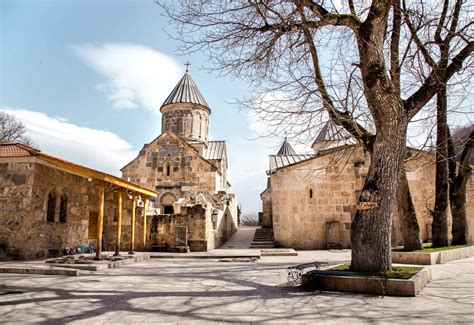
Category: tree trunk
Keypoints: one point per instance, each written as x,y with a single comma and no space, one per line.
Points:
406,212
457,189
440,213
371,229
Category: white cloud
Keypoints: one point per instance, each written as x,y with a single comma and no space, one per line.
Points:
98,149
135,75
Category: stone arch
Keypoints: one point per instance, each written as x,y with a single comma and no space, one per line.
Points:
167,201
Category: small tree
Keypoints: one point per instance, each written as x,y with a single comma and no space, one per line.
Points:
12,130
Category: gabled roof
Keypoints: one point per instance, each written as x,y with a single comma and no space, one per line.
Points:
279,161
332,135
185,91
10,149
286,149
171,133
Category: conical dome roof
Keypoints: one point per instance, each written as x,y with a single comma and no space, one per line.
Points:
286,149
332,135
185,91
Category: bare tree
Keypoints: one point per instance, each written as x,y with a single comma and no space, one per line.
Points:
435,40
12,130
279,43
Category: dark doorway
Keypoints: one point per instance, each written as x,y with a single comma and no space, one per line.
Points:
168,209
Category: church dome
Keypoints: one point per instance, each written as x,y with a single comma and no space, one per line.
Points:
185,91
185,112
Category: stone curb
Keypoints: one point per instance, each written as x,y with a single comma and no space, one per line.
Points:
329,281
30,270
191,256
426,258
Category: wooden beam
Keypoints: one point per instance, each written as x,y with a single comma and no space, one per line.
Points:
119,222
134,208
145,202
100,221
94,174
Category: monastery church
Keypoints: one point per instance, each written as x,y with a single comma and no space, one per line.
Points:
174,196
311,199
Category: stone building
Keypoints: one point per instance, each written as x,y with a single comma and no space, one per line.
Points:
310,200
189,172
48,204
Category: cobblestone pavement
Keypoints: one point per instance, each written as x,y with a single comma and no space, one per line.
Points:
182,291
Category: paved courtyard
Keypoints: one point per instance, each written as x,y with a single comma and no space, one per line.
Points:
211,291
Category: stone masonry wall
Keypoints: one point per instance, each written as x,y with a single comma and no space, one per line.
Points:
189,121
23,203
335,179
188,172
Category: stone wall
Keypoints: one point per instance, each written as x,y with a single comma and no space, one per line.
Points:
314,202
24,231
188,173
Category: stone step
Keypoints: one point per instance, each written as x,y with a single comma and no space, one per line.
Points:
263,246
263,242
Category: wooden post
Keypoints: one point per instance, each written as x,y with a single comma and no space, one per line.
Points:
100,221
134,208
145,203
119,222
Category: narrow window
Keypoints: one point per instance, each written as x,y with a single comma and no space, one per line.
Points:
51,207
63,209
168,170
311,193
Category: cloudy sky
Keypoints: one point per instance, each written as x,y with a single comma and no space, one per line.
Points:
87,79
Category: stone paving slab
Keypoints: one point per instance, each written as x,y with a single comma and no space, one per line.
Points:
206,291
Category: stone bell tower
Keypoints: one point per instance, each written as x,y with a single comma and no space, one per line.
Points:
186,113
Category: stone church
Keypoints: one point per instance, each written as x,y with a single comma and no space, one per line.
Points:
311,199
194,206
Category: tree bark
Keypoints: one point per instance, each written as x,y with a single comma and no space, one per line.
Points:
440,213
457,189
371,230
407,215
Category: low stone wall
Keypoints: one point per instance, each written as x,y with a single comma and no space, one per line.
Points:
426,258
337,281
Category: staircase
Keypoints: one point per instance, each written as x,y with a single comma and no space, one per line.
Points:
263,238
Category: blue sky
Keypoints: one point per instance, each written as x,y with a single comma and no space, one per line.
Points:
87,79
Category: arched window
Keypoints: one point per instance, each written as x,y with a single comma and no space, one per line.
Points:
310,193
63,209
51,207
168,169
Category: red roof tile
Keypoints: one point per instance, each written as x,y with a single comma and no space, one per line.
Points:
10,149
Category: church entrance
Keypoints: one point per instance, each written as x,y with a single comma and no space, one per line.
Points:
167,201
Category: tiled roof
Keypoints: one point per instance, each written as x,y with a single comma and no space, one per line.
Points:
278,161
286,149
332,136
11,149
185,91
216,150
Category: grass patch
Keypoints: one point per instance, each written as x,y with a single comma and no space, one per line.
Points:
397,272
427,248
